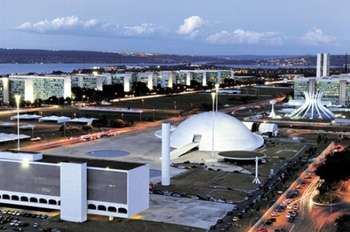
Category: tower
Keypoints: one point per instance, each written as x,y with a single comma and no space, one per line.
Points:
256,179
273,113
323,61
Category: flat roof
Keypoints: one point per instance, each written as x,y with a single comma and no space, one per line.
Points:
119,165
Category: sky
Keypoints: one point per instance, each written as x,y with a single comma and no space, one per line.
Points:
193,27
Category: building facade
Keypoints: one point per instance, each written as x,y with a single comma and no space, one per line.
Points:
33,87
335,89
323,62
76,187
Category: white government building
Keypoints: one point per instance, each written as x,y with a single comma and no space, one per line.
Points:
32,87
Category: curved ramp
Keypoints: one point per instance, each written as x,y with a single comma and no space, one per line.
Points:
183,150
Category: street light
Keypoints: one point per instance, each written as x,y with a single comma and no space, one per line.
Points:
213,94
217,85
18,100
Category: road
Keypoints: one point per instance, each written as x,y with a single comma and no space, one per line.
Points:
44,145
306,220
40,146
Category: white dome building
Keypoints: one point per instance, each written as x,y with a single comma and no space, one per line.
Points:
230,134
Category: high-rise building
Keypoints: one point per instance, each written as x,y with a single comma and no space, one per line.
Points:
322,69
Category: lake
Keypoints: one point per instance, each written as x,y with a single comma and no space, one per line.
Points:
43,68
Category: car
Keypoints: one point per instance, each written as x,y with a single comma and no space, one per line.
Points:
274,214
291,219
269,221
280,230
292,194
262,229
280,208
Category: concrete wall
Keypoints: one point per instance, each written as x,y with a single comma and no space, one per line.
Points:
138,190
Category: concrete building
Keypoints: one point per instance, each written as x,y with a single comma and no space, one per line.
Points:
32,87
322,69
335,89
90,81
215,132
76,187
204,76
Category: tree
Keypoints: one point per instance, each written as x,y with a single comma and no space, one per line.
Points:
140,89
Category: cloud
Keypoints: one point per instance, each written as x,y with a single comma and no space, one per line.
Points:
191,25
317,37
75,26
240,36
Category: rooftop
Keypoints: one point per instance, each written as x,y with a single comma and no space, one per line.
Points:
111,164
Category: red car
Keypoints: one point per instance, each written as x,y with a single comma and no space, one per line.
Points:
262,229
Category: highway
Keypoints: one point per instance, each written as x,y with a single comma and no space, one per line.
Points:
310,218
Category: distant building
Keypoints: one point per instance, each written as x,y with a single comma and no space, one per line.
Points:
32,87
76,187
323,61
335,89
89,81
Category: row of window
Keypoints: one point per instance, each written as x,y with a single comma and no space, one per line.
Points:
30,199
109,209
54,202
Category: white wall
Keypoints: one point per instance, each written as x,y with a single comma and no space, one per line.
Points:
73,192
138,190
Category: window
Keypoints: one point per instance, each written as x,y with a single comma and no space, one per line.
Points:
92,206
52,202
33,199
6,197
15,198
112,209
122,210
101,207
24,198
43,201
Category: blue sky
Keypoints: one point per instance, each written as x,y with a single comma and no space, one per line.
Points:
207,27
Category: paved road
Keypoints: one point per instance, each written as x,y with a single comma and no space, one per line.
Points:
306,221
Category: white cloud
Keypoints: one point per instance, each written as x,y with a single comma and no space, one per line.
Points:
317,37
142,29
76,26
191,25
240,36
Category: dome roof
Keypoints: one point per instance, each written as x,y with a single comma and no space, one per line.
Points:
230,134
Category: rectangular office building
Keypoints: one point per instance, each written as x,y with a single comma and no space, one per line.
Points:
32,87
76,187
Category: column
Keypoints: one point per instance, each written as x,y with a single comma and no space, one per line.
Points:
73,191
204,79
165,154
127,79
150,81
171,78
188,78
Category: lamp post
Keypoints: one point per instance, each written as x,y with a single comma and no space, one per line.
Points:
213,123
18,100
217,85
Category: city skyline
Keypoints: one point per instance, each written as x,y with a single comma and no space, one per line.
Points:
229,28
